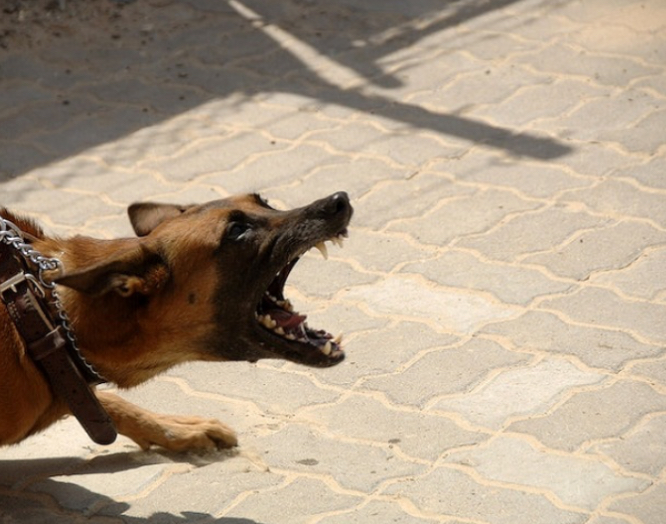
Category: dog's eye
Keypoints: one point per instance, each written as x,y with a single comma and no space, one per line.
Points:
237,230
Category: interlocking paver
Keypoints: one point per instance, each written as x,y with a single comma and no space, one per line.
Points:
595,118
269,388
212,155
466,216
450,492
86,493
420,435
455,370
522,392
509,283
641,279
532,232
629,450
390,199
649,506
376,251
640,317
353,465
289,504
611,71
643,138
385,349
379,512
493,170
608,348
649,173
589,415
653,370
612,195
502,294
544,101
449,310
607,520
577,482
228,479
602,249
593,160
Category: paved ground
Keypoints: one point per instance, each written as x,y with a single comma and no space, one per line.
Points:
503,292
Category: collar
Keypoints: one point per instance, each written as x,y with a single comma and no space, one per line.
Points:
41,322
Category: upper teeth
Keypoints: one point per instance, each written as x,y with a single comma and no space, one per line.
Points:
321,246
338,241
285,304
322,249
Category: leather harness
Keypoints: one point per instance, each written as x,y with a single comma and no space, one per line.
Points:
49,343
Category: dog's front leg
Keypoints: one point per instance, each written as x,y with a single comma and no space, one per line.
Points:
175,433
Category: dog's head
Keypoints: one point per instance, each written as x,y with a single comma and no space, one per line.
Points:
214,274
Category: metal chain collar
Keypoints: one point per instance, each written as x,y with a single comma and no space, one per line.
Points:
11,234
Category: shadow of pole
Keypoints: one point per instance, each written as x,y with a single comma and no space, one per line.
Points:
476,132
108,102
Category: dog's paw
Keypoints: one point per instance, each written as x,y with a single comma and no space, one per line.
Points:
178,433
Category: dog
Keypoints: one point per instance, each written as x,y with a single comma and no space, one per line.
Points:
198,283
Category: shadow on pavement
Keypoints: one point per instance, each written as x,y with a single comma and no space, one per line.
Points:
99,70
29,494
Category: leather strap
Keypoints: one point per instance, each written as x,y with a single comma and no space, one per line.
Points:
48,346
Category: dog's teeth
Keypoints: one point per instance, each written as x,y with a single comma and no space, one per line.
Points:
338,241
290,336
279,330
322,249
326,350
338,339
268,322
285,304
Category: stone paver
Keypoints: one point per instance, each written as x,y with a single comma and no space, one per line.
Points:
502,293
574,481
518,393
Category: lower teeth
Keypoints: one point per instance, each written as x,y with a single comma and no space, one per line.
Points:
299,333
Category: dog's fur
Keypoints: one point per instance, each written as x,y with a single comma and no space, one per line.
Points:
187,288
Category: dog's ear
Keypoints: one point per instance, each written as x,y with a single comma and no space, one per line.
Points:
136,270
146,216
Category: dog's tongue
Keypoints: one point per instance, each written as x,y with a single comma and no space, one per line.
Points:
285,319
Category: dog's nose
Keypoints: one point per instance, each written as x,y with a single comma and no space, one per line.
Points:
337,203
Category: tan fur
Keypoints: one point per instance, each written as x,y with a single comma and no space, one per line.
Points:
127,348
141,305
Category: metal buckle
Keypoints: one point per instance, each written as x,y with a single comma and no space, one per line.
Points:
10,284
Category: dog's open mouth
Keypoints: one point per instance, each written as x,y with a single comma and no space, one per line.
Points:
276,315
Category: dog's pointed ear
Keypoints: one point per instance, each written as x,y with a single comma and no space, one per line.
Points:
135,270
146,216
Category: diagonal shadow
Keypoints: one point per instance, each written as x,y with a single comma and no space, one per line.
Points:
29,495
87,87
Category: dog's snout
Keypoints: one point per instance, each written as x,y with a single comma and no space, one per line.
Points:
337,203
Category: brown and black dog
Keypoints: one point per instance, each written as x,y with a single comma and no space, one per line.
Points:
200,282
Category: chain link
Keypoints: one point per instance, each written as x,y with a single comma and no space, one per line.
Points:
11,234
